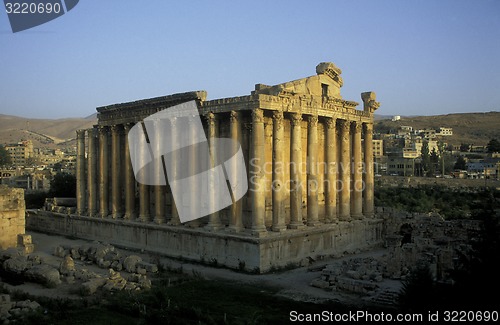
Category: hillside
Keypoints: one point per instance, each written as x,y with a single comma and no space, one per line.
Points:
45,133
471,128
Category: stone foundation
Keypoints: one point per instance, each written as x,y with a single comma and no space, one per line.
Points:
232,250
12,220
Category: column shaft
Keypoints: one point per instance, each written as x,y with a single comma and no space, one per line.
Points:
345,170
357,173
369,181
80,172
174,220
278,186
332,167
116,194
257,180
236,213
214,218
194,183
159,190
144,201
129,179
296,172
103,172
312,172
92,172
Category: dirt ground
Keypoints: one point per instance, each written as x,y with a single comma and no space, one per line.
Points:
293,284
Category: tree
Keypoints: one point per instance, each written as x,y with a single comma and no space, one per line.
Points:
460,164
464,147
63,185
425,157
4,156
493,145
434,162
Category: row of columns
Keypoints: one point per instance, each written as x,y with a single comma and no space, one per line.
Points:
355,201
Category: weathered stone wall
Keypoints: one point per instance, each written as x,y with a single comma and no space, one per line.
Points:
237,251
12,216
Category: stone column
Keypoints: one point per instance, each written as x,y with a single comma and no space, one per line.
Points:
331,170
174,220
193,164
296,172
116,194
80,172
129,179
278,186
214,218
345,170
369,181
103,172
92,172
144,202
312,171
159,190
257,177
357,173
236,213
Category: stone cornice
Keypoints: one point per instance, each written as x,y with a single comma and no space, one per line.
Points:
306,104
137,110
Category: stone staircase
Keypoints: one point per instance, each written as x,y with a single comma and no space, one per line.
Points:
386,298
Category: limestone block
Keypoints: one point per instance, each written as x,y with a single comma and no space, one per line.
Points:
319,283
28,249
24,239
145,283
59,251
75,252
130,263
67,265
44,274
17,265
149,267
90,287
65,201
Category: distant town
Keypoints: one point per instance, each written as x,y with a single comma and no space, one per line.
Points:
407,151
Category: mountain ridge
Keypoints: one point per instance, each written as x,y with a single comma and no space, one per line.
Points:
474,128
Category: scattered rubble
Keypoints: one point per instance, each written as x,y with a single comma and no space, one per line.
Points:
10,311
411,239
32,268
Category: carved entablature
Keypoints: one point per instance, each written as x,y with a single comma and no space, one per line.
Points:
369,103
331,70
135,111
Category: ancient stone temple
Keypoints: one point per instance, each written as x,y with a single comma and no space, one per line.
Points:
309,161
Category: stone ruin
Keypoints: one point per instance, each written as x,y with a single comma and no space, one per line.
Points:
412,239
13,310
34,268
12,216
66,205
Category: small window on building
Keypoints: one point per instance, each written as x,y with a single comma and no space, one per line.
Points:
324,90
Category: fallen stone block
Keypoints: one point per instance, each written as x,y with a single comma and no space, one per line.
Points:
130,263
44,274
67,265
149,267
319,283
18,265
90,287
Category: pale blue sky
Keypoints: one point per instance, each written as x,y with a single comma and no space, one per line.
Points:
420,57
